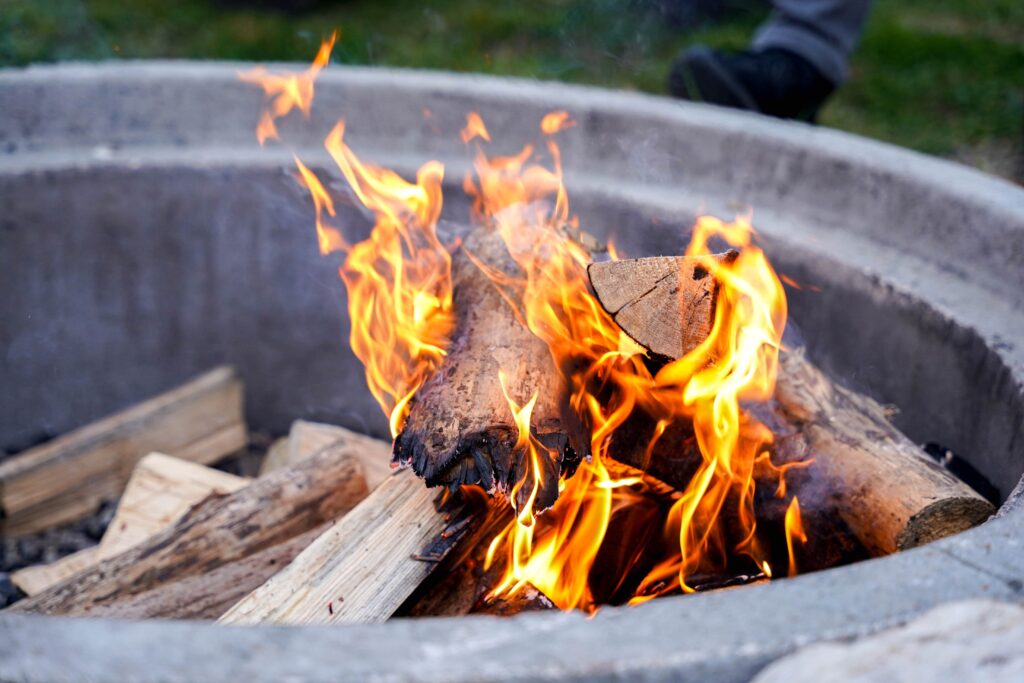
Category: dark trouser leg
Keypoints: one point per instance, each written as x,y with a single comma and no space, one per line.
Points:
824,32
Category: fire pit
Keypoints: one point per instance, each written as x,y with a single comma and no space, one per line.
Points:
146,238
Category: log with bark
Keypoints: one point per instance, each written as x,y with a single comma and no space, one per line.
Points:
460,429
220,530
889,493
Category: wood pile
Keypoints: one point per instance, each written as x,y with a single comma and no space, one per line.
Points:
330,532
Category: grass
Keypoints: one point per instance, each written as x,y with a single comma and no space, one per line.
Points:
944,77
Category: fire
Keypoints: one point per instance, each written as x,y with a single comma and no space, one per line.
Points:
794,532
287,91
399,278
399,286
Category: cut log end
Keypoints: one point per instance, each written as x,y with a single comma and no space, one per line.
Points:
664,303
888,492
491,460
944,518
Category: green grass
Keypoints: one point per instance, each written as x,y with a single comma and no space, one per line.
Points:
942,76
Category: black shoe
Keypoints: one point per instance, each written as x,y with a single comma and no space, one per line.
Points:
774,81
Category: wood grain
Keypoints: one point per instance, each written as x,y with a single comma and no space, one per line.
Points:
68,477
358,571
889,493
460,429
161,489
218,531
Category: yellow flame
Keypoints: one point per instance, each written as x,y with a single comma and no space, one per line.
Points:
794,531
398,280
287,91
399,286
736,363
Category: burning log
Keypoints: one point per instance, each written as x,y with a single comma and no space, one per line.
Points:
886,490
67,478
218,531
460,429
527,599
365,566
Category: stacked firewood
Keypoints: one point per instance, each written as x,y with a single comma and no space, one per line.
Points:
330,533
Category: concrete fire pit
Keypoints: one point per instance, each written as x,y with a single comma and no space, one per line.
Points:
144,237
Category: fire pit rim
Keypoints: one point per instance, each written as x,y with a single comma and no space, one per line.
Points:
981,562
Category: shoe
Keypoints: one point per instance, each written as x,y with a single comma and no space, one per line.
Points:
774,81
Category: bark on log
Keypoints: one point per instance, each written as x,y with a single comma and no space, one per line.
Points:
460,429
219,530
889,493
208,596
887,490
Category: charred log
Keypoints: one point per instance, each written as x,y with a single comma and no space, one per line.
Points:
887,491
460,429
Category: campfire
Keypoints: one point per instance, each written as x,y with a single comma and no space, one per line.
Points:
570,428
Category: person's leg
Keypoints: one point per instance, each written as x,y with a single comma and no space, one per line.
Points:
824,32
797,58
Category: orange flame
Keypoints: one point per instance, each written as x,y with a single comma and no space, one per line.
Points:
794,530
398,280
399,286
736,363
287,91
555,122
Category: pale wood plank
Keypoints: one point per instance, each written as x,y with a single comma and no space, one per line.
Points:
161,489
307,438
68,477
361,569
219,530
278,456
36,579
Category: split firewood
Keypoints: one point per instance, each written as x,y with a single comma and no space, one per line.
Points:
306,438
460,429
218,531
37,578
670,299
208,596
462,580
277,456
889,493
364,567
67,478
160,490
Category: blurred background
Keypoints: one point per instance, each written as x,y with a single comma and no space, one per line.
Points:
944,77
